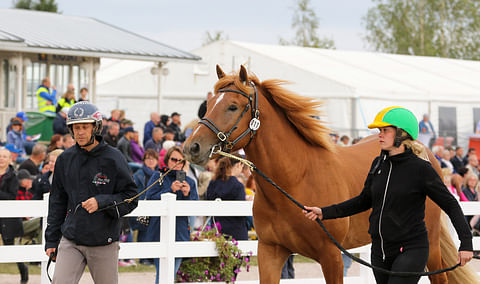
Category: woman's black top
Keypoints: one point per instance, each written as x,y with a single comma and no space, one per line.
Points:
396,189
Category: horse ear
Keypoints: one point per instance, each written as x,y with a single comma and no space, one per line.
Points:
243,75
220,73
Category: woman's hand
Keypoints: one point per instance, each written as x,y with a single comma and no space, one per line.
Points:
464,257
185,188
313,213
176,185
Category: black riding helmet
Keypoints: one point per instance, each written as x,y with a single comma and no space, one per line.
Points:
85,112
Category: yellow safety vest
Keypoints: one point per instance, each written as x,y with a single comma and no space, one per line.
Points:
64,103
42,103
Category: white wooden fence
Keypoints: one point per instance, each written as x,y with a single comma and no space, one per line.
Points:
167,249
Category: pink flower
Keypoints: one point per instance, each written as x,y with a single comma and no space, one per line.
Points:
206,272
219,227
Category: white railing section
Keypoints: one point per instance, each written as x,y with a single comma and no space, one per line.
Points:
167,249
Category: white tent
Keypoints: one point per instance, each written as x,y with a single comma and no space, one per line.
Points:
354,85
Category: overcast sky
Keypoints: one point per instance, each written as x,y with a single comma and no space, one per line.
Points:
183,23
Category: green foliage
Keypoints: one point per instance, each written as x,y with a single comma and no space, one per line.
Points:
41,5
214,269
305,23
23,4
444,28
211,37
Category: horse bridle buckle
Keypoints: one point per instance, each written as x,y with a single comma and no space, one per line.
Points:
222,136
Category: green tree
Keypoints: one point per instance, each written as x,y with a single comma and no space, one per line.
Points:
41,5
23,4
306,23
444,28
215,36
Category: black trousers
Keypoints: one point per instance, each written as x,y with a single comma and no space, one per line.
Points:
410,260
21,266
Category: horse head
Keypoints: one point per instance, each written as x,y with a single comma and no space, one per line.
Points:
231,120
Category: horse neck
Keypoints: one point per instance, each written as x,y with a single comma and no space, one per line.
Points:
277,148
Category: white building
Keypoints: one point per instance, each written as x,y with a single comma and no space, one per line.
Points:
34,45
354,85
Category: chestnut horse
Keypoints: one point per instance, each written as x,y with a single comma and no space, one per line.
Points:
295,150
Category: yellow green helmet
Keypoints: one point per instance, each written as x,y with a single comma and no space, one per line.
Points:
399,117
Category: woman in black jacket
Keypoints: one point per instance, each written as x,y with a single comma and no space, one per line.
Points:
225,185
10,228
396,188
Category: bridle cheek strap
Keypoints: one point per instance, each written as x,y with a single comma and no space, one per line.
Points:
253,126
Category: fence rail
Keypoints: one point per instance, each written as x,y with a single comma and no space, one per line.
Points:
167,249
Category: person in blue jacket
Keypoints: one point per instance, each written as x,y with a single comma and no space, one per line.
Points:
46,96
185,190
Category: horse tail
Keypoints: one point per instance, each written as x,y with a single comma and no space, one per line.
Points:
462,274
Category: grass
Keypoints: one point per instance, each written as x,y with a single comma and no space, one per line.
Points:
11,268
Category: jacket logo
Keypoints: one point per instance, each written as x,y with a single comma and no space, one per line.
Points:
100,178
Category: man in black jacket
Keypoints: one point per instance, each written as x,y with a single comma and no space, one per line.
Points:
89,177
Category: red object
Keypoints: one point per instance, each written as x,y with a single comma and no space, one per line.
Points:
474,142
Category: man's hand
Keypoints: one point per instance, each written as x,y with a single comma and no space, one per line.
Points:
50,251
91,205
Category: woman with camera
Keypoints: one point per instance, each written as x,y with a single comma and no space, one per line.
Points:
175,182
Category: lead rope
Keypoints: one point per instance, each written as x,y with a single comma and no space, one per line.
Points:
159,181
337,244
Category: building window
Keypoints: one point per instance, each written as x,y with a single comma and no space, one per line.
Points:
60,76
35,74
447,122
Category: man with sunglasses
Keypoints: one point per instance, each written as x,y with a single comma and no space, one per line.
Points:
91,180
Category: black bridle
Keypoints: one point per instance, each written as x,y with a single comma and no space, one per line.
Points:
253,126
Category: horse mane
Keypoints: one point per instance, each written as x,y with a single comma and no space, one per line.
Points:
299,110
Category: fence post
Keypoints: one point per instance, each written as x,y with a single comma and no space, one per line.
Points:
167,236
366,273
43,272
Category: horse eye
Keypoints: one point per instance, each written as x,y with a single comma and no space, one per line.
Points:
232,108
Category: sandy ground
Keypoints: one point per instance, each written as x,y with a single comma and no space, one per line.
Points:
302,270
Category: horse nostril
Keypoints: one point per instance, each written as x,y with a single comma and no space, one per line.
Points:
194,148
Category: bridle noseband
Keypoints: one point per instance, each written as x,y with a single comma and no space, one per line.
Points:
253,126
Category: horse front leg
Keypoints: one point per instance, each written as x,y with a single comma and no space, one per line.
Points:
271,258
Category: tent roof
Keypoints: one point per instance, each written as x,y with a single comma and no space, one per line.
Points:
42,32
375,75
